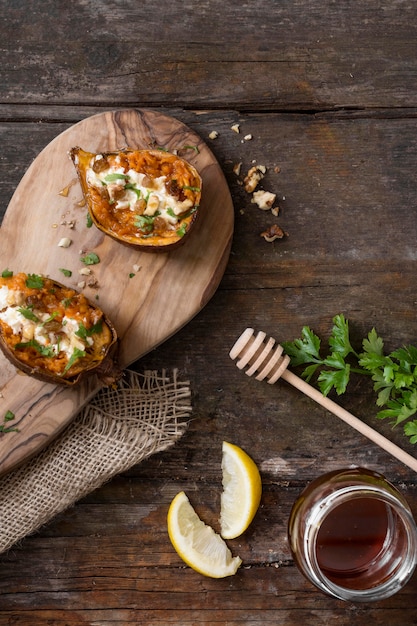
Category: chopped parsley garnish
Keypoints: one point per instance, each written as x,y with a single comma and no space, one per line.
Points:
111,178
47,351
182,230
190,212
66,302
77,354
8,417
89,220
34,281
134,189
66,273
28,314
50,318
195,148
90,259
84,332
6,273
191,188
144,223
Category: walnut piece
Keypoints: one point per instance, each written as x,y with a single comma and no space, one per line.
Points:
253,177
264,199
274,232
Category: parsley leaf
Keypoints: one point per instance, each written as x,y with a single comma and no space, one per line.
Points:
47,351
144,223
181,231
115,176
84,332
77,354
34,281
90,259
8,417
28,314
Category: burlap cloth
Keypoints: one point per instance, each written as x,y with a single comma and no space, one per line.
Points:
120,427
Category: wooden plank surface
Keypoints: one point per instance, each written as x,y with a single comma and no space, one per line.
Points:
328,93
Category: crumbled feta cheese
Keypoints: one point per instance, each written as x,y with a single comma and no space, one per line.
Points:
10,297
214,134
236,128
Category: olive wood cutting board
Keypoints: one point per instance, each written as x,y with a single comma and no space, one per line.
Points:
148,296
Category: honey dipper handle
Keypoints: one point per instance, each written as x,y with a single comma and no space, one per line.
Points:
350,419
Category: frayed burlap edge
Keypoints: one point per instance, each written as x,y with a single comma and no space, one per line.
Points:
116,430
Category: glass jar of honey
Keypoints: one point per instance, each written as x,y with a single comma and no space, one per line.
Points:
352,534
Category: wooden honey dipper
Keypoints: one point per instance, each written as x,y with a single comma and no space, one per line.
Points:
266,360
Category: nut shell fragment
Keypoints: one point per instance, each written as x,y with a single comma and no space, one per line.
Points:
273,232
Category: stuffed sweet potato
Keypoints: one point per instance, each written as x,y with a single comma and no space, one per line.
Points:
148,199
52,332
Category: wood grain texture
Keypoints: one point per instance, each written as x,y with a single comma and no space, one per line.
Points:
163,294
266,55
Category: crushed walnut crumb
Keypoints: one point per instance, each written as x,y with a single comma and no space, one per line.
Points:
70,224
254,177
274,232
236,168
93,282
263,199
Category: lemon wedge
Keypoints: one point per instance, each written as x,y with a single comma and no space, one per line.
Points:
196,543
242,490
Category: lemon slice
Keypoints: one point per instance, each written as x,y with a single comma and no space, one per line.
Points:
242,490
196,543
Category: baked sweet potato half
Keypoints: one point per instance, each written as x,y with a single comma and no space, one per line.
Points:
148,199
52,332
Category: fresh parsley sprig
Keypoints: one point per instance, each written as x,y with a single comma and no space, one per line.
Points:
394,375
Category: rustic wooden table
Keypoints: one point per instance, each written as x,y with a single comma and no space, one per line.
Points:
328,94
